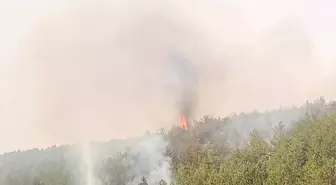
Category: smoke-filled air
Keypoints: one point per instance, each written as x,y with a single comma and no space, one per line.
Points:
152,92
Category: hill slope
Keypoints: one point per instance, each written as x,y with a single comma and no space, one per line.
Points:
294,145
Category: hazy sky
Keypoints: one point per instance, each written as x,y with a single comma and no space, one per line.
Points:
103,69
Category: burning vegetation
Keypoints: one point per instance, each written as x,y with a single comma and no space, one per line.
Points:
188,78
184,122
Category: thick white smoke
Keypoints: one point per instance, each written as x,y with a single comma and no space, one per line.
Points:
150,161
79,69
108,59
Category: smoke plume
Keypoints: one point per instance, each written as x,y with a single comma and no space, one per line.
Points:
86,70
187,75
149,161
103,68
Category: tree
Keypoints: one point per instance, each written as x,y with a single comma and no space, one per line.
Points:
143,181
162,182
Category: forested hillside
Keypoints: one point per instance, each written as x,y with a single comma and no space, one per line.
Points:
291,146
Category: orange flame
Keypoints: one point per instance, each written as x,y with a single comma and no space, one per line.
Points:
184,123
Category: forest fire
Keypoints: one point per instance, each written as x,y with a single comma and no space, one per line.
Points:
184,123
187,75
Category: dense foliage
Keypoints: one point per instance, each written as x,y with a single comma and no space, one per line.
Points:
210,152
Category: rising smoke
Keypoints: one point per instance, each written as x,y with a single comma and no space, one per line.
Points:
150,161
107,69
112,69
88,66
187,76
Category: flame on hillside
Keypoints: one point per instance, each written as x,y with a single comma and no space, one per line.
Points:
184,122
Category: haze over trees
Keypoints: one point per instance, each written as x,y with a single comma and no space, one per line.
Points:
293,146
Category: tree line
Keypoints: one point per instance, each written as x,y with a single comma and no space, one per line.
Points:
212,151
